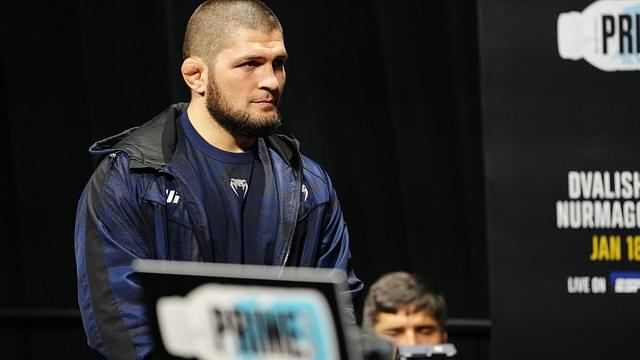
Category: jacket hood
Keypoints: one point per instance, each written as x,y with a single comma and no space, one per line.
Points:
152,144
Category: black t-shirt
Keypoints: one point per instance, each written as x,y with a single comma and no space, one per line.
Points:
233,186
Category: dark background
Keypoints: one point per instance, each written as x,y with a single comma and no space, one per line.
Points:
384,94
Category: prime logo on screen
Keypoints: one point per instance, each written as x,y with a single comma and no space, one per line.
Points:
217,321
606,34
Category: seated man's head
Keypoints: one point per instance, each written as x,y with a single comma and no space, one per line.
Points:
400,307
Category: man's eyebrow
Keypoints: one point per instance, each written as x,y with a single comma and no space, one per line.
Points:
250,57
394,328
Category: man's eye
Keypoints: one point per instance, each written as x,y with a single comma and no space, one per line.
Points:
426,330
250,64
392,333
278,63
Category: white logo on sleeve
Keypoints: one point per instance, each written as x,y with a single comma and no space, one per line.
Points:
305,192
239,186
172,196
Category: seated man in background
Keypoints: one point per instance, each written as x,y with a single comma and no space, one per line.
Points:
399,307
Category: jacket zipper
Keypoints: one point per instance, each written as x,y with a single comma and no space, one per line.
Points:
112,158
295,220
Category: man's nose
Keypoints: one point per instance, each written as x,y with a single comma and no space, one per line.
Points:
409,338
268,79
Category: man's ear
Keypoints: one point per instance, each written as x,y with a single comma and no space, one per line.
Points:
194,72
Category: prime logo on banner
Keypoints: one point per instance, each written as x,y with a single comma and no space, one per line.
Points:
559,104
606,34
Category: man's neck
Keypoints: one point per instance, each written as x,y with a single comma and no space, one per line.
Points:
215,134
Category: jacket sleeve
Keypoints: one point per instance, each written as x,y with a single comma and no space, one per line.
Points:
334,248
109,234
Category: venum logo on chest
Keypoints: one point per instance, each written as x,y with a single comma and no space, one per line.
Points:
239,186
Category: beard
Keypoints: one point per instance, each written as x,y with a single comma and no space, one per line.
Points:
239,122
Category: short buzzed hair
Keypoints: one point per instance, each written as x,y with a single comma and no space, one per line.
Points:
211,23
398,290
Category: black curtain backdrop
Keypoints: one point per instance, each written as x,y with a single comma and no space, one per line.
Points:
383,94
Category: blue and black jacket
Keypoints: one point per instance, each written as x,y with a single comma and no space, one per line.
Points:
129,210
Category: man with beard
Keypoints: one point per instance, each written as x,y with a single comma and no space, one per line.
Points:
204,181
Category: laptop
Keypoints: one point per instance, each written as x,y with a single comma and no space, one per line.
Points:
225,311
